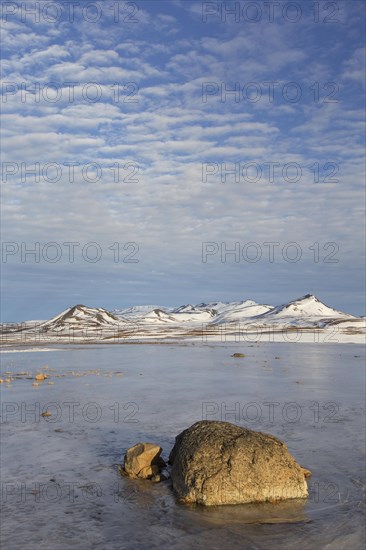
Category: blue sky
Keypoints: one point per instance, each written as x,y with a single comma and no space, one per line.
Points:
126,107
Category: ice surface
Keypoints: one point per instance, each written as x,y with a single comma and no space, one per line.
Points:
60,486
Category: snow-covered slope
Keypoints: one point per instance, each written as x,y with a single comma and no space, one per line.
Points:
214,319
135,311
81,317
157,315
307,309
240,311
307,306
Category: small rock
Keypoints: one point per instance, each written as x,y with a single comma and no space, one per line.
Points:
238,355
46,413
142,461
41,376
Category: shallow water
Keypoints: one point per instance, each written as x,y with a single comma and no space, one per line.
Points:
61,488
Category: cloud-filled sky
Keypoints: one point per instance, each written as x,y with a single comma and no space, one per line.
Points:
142,142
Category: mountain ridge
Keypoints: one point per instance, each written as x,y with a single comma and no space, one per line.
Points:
84,323
305,306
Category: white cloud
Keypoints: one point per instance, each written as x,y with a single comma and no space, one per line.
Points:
170,132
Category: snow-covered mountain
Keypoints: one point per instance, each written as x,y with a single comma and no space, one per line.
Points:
307,306
213,319
157,315
75,324
135,311
81,316
240,311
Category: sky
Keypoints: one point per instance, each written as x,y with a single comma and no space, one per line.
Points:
173,152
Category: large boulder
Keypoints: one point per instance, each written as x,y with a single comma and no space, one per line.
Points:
220,463
143,461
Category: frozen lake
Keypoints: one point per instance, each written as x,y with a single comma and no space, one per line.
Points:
61,488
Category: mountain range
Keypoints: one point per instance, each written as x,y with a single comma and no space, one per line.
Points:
215,321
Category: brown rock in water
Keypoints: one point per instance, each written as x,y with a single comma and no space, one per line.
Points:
41,376
219,463
143,461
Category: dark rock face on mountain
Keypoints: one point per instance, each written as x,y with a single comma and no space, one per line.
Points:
220,463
